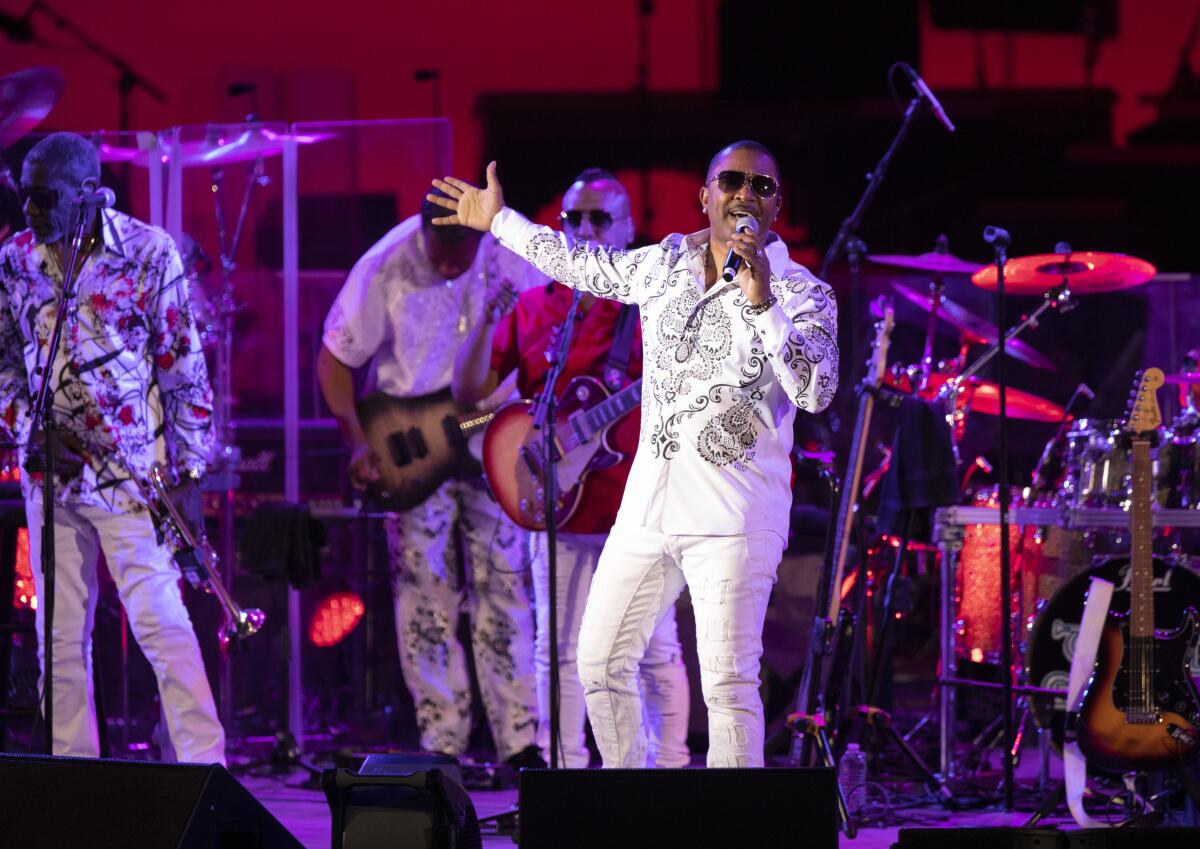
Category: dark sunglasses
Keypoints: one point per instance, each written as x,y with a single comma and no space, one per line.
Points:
731,182
43,198
600,219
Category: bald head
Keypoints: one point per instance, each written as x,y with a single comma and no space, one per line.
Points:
596,209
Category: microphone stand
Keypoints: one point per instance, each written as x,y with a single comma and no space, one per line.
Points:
1000,241
545,410
847,239
43,415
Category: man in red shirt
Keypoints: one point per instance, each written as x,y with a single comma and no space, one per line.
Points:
595,209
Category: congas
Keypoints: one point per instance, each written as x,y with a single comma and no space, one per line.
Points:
1052,638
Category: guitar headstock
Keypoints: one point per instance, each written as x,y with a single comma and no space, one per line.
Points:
1143,418
885,314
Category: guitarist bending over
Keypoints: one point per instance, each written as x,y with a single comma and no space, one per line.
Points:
606,345
406,307
708,500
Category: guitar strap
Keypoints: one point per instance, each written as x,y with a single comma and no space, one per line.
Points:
616,368
1083,661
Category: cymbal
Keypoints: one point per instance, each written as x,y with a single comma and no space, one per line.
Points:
1088,272
984,397
978,328
933,262
1183,377
26,98
250,144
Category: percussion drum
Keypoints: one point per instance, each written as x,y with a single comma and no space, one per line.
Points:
1052,637
1097,466
1042,559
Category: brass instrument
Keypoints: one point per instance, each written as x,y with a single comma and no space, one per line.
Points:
195,557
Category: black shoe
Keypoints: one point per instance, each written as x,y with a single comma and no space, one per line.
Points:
528,758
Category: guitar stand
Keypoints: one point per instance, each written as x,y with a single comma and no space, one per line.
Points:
810,726
881,720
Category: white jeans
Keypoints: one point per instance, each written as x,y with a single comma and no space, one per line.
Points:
640,575
662,674
148,584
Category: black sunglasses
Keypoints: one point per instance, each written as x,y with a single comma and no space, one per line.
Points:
600,219
731,182
43,198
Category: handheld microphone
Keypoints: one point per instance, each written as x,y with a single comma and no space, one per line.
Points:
925,92
101,197
733,262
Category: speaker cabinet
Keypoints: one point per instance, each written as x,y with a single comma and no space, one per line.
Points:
696,808
54,801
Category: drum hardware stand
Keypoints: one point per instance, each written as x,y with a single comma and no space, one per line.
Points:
223,477
545,411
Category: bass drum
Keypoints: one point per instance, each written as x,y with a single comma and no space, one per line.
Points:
1052,638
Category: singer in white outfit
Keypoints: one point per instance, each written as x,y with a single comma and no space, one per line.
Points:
128,385
707,504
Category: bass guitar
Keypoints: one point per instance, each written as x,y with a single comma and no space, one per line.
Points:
421,443
514,456
1140,709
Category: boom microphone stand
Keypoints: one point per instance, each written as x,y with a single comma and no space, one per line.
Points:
544,414
42,415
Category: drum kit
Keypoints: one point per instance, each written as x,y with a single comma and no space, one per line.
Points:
1084,474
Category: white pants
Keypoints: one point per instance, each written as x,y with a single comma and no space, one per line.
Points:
662,674
147,582
640,575
425,544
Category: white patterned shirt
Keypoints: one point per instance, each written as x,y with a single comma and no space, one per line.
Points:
396,311
129,377
721,385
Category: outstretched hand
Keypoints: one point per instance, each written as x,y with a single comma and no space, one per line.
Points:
469,205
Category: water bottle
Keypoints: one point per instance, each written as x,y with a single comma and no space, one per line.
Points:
852,776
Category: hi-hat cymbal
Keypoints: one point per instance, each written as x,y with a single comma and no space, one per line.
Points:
932,262
26,98
978,328
1087,272
983,396
250,144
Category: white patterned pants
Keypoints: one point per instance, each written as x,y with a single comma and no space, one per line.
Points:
147,582
661,673
461,523
640,575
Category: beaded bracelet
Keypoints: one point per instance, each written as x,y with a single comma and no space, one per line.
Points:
760,308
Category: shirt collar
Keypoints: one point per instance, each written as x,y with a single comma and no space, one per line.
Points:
776,248
115,229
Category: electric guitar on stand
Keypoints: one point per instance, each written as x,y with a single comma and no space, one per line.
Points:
1140,709
828,608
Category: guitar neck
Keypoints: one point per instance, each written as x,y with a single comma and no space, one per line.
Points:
610,409
1141,610
843,525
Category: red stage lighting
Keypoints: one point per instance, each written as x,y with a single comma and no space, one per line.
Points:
335,617
24,594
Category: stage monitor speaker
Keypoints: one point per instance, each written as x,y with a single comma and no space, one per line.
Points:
55,801
696,808
399,801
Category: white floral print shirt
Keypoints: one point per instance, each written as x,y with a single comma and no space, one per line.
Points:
129,379
722,385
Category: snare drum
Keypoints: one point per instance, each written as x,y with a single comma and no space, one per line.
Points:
1052,637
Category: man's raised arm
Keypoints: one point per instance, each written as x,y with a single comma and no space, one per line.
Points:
622,275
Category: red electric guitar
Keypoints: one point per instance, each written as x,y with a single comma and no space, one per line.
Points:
514,453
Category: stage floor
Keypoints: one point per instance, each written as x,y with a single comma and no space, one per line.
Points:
306,815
